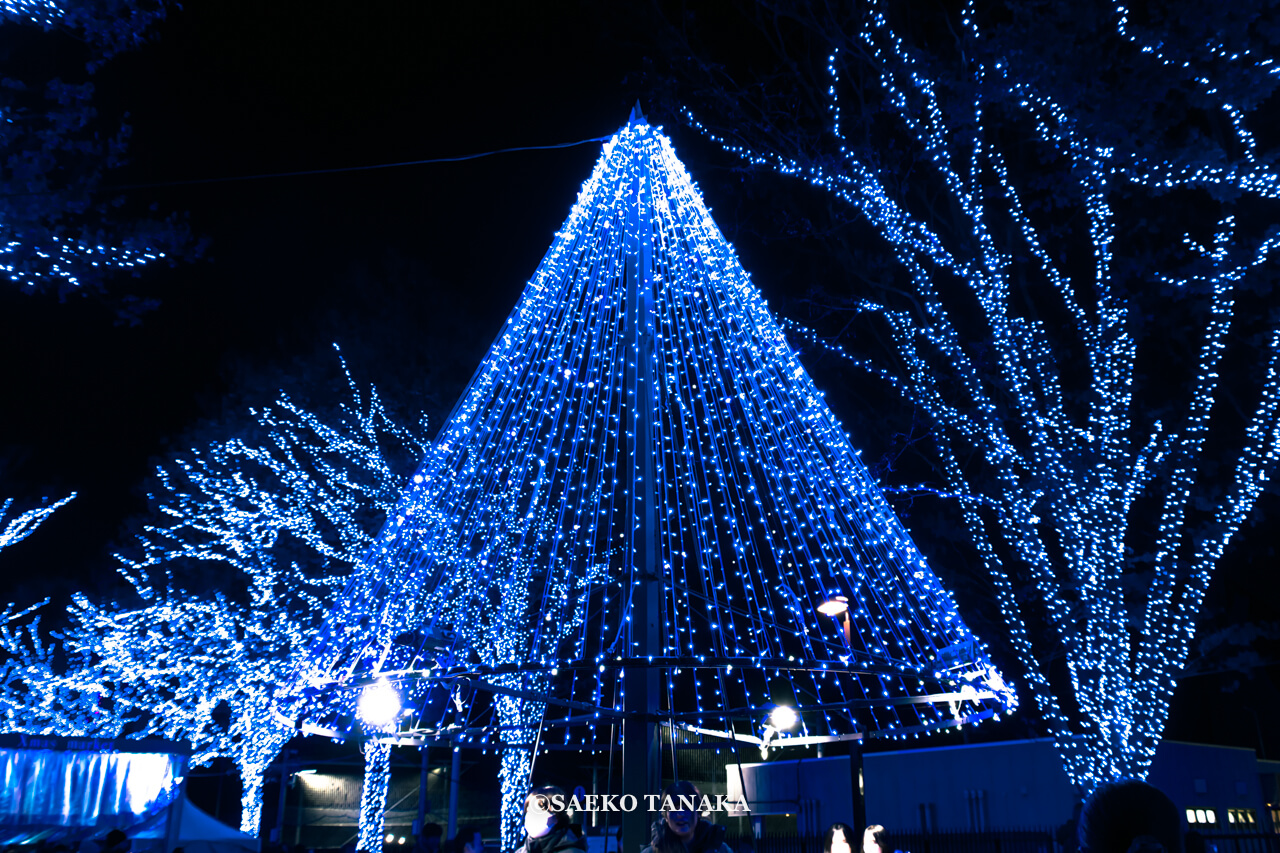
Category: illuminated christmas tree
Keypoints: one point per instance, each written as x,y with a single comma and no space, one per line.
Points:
642,511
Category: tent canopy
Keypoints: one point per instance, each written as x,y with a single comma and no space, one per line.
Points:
200,832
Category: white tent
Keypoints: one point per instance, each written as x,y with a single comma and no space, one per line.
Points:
203,833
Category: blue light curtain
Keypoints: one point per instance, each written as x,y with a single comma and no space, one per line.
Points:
48,794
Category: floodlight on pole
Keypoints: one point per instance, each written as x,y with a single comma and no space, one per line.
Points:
783,717
833,607
837,608
379,704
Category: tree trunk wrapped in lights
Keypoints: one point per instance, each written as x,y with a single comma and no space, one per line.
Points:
373,793
1071,267
519,720
641,478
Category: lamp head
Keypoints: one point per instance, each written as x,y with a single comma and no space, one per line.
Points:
783,717
833,607
379,704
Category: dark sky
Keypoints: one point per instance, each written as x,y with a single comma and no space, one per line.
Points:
410,269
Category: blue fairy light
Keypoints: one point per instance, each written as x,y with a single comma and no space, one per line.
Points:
1044,513
518,536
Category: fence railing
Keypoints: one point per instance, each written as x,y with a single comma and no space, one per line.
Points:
1240,842
988,841
985,841
776,843
991,841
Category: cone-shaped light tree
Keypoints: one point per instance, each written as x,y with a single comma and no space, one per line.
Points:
642,510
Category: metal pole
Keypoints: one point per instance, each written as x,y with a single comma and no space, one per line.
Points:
455,770
640,772
297,830
421,824
284,790
859,798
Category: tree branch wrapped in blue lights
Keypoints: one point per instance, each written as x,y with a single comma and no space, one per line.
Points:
1075,290
641,480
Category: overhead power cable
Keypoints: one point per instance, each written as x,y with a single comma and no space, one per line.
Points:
328,171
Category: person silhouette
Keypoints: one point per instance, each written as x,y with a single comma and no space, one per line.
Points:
1129,816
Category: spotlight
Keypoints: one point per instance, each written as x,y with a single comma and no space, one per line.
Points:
379,705
834,607
783,717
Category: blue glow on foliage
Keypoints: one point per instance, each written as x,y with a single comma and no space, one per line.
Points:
277,520
1064,480
62,260
44,13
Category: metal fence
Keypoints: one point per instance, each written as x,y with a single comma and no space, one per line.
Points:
991,841
987,841
1241,842
776,843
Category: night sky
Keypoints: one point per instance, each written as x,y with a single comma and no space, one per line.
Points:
411,269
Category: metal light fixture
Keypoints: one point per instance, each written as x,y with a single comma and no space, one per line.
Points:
833,607
837,607
781,718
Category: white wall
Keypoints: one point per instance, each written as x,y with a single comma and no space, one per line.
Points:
819,791
978,786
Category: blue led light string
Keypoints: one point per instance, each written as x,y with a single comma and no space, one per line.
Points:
23,524
44,13
62,260
165,664
765,511
1205,85
65,258
1118,712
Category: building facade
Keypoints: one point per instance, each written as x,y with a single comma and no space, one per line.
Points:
1021,784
